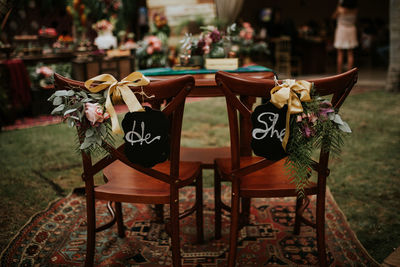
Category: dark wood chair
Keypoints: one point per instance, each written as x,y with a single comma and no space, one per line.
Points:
128,182
256,177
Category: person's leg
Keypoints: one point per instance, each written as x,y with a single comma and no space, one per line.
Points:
339,60
350,59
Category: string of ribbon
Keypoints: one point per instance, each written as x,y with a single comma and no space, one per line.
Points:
288,94
116,90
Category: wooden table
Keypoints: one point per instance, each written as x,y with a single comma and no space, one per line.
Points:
205,86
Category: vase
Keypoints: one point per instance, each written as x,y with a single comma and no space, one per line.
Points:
197,61
105,40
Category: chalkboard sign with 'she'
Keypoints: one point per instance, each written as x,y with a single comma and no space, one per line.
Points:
269,125
146,137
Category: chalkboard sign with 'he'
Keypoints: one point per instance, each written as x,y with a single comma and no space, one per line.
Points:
269,125
146,137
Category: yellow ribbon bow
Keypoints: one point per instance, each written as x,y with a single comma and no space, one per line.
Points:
118,89
287,93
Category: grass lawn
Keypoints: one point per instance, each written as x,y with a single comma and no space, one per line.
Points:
40,164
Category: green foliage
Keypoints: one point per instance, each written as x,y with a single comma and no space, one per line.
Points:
71,105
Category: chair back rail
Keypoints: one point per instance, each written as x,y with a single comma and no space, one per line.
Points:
173,92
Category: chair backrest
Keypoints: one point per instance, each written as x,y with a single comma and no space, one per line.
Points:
173,92
339,86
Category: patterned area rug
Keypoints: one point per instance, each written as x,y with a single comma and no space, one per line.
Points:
57,237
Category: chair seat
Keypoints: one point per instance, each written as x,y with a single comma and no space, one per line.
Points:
126,184
271,181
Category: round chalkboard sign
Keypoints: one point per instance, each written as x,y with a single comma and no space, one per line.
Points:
146,137
268,130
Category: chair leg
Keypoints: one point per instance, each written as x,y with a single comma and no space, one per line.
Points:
175,242
120,219
321,230
234,229
246,203
159,208
218,204
297,218
91,228
199,209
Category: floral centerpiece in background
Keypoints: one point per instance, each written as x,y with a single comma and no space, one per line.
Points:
41,75
78,11
243,42
63,43
234,42
152,51
105,38
160,27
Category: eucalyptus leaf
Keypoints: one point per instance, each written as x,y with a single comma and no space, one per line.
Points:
99,141
57,101
96,96
71,122
345,127
91,138
58,109
338,119
51,98
69,111
70,92
86,100
89,132
75,118
80,115
84,94
86,144
61,93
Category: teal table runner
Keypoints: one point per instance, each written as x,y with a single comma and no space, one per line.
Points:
169,71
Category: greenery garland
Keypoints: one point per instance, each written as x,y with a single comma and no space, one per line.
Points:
86,111
318,127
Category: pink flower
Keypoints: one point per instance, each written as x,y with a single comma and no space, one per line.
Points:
45,71
150,50
247,32
206,49
325,108
308,131
298,118
312,118
94,113
154,43
246,25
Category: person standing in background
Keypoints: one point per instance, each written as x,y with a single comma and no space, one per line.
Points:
346,32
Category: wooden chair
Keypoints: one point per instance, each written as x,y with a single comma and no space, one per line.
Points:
256,177
128,182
